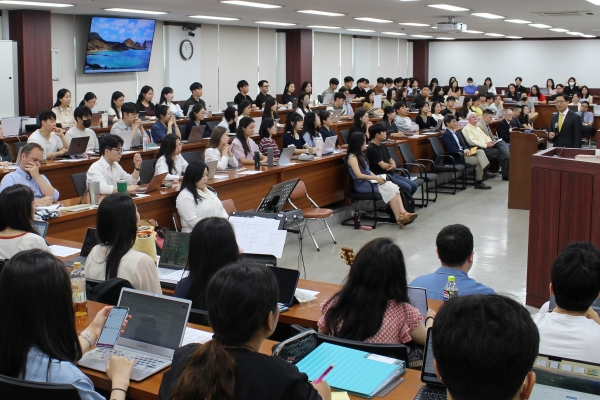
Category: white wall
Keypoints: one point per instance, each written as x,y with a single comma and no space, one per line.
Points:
362,55
534,60
280,80
178,72
326,60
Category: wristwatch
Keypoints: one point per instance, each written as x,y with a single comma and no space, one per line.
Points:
137,169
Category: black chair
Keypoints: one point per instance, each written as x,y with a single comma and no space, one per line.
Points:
212,124
199,317
471,170
79,181
108,291
410,162
419,180
30,128
260,259
444,162
17,146
192,156
345,136
373,196
398,351
320,98
147,171
230,104
27,390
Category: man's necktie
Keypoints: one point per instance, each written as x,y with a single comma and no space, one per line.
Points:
560,121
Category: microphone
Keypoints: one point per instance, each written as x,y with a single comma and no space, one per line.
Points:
561,150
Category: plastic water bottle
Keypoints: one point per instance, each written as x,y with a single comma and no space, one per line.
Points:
78,289
356,218
44,158
289,105
450,290
145,143
209,111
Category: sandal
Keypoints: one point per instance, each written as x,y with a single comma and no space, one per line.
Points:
408,217
400,224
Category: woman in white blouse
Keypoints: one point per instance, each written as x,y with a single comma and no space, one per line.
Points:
116,101
197,201
16,222
218,149
166,98
169,158
117,223
62,108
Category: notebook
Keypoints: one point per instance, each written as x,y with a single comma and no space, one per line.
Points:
562,378
287,280
154,332
358,372
434,388
90,240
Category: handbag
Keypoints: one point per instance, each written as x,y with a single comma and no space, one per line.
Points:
145,242
297,347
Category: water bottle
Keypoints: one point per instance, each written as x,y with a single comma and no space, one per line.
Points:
270,157
209,111
44,158
145,143
356,218
289,105
450,290
319,147
78,289
104,120
256,160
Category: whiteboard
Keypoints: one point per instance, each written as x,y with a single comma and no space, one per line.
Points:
533,60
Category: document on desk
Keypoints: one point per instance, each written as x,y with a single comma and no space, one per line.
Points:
192,335
63,251
261,242
256,223
70,160
249,172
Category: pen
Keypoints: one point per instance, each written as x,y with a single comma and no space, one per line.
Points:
323,375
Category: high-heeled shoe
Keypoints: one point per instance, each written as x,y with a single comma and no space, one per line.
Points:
408,217
400,224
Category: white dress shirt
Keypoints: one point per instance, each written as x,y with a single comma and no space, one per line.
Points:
179,163
214,154
190,212
108,175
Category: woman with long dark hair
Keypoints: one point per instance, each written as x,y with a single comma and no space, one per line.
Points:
230,119
89,101
306,87
218,149
268,128
144,102
39,340
433,83
490,86
204,260
116,101
361,124
166,98
243,147
326,124
169,159
389,115
117,223
425,120
197,119
535,92
241,300
512,93
311,126
303,104
62,108
16,222
390,98
294,127
373,305
196,200
358,166
288,93
270,108
550,86
438,94
466,108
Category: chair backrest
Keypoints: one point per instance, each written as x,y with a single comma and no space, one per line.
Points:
345,136
192,156
107,291
407,153
30,128
147,171
27,390
17,146
279,98
212,124
199,317
79,181
413,107
228,205
299,191
177,221
394,156
320,98
230,104
437,148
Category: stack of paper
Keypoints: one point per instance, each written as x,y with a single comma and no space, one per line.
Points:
259,235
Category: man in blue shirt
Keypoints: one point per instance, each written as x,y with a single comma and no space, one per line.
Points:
455,250
587,118
28,174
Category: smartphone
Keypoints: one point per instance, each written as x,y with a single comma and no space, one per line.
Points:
112,327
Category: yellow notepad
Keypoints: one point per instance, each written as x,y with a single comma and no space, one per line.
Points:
340,396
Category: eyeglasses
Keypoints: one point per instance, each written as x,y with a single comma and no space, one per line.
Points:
119,150
266,86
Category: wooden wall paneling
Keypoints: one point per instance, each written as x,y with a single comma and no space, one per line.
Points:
421,61
31,30
298,57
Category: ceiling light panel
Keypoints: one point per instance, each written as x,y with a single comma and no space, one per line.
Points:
447,7
323,13
323,27
36,3
249,4
541,26
275,23
487,15
412,24
517,21
214,17
377,20
134,11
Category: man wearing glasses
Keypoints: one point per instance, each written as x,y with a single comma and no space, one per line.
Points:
263,95
107,170
130,122
565,127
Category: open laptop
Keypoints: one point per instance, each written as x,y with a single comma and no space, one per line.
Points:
212,168
482,89
174,253
418,299
545,91
329,145
433,130
152,335
500,113
154,184
77,147
285,158
287,280
195,134
574,108
91,239
327,99
257,122
335,115
350,97
96,118
533,99
596,109
460,101
434,388
562,378
41,227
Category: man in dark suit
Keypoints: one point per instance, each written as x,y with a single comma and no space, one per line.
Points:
504,126
565,127
454,143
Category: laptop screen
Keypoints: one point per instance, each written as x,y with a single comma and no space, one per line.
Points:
418,299
41,227
91,239
156,320
287,280
428,372
558,378
175,250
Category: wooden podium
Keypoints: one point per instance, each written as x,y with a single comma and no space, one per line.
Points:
522,146
565,199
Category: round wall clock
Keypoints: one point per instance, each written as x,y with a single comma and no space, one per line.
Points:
186,49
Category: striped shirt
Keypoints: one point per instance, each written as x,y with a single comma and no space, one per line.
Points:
266,143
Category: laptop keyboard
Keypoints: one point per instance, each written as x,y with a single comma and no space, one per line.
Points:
72,261
142,362
427,393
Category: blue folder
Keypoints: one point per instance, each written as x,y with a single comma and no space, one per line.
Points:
358,372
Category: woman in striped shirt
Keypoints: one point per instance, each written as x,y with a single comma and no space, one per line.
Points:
266,132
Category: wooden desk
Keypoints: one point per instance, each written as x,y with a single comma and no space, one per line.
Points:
148,388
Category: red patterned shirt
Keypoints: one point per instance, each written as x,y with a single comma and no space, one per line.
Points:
399,320
265,143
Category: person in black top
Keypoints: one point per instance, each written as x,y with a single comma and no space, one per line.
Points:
572,87
196,89
326,123
450,103
294,124
512,93
263,86
288,94
422,97
424,119
559,90
244,88
361,124
196,119
6,156
241,300
144,102
359,90
518,87
270,109
389,115
438,94
306,87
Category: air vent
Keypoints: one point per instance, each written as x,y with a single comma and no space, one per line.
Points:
563,14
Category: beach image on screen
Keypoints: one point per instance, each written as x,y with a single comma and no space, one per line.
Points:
119,45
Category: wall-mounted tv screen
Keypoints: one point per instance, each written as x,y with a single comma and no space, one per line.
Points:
119,45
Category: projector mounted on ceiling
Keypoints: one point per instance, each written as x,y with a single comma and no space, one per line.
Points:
451,25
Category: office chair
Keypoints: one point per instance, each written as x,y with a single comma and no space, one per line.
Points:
192,156
444,162
177,222
419,179
27,390
199,317
79,181
17,146
345,136
212,124
147,171
107,292
410,162
228,205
